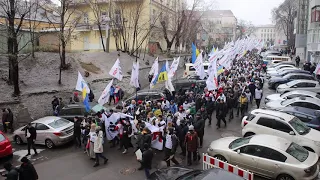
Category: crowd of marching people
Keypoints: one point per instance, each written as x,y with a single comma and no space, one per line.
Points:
177,123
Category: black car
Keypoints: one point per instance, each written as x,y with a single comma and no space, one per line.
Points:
72,110
148,94
186,84
276,81
180,173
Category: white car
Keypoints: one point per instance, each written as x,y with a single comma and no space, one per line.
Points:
275,72
302,101
268,156
302,84
291,95
281,67
283,125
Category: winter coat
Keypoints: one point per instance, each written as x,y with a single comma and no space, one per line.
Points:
252,88
182,130
13,174
147,157
33,132
204,114
173,108
231,102
210,107
221,110
27,172
112,89
77,128
191,141
10,117
144,138
98,144
4,117
199,126
175,143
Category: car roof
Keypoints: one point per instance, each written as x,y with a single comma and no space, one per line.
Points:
47,119
303,80
309,93
279,56
281,115
218,174
302,110
303,74
270,141
306,99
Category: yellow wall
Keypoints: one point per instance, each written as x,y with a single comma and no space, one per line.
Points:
38,25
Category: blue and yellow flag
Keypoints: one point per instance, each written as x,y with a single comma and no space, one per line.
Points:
163,74
85,98
194,53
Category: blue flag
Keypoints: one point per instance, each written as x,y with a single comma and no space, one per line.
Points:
194,53
86,103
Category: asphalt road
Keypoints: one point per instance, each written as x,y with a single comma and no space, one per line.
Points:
70,163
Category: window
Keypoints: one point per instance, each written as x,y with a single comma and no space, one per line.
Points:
2,138
41,126
266,122
59,123
273,155
312,106
315,14
250,117
85,18
299,126
74,111
252,150
239,142
310,85
298,152
280,126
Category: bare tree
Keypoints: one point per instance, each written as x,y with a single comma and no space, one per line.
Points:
244,28
33,24
283,16
69,18
14,13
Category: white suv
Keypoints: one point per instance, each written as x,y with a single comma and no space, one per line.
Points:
280,124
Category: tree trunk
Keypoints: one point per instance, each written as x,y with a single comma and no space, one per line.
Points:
100,31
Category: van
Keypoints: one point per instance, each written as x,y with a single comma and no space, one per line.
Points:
190,70
275,59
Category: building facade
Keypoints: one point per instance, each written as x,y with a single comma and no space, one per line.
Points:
301,28
133,24
270,35
218,27
313,37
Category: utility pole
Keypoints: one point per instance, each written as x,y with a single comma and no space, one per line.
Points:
108,26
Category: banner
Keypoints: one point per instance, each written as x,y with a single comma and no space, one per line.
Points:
155,67
81,83
104,98
212,81
173,68
134,81
116,71
198,65
110,125
157,139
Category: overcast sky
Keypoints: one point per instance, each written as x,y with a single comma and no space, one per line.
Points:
256,11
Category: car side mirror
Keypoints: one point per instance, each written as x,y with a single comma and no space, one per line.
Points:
292,133
238,151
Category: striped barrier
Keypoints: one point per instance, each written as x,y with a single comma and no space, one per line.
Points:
211,162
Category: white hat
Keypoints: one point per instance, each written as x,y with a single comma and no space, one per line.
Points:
191,128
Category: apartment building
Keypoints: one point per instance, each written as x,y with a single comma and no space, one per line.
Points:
301,28
270,35
313,34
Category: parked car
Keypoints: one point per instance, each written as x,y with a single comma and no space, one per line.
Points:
291,95
72,110
275,72
274,82
281,124
150,94
310,117
181,173
268,156
281,63
5,146
283,73
271,53
307,85
51,131
301,101
185,84
280,67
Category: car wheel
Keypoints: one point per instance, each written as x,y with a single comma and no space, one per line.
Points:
49,144
221,158
18,140
249,134
309,149
285,177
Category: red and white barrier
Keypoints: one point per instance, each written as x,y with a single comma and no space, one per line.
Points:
211,162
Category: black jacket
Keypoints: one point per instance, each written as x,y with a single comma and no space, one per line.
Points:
182,130
33,132
204,114
175,143
231,102
27,172
77,128
199,126
147,157
210,107
221,110
144,138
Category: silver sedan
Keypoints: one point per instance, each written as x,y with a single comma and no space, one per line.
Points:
51,131
266,155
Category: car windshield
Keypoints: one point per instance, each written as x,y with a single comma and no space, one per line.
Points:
284,94
298,152
59,123
2,138
239,142
299,126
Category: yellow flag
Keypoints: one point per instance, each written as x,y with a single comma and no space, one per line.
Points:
84,93
197,52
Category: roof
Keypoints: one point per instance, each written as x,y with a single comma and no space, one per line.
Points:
293,74
270,141
303,80
47,119
282,115
218,13
266,26
309,93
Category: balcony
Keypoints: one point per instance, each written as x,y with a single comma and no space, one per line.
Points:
83,27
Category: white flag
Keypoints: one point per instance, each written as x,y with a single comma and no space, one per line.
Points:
134,81
116,70
198,66
168,83
212,81
155,67
173,67
104,98
81,83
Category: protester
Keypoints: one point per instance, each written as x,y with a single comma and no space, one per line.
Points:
98,147
171,145
258,96
31,134
10,120
297,61
27,170
4,119
112,90
91,139
146,161
77,131
221,113
199,127
192,142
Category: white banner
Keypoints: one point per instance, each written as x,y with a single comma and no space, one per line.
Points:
81,83
134,81
212,81
104,98
198,65
110,125
116,70
155,67
173,68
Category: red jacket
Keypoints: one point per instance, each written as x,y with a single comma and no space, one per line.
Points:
191,141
